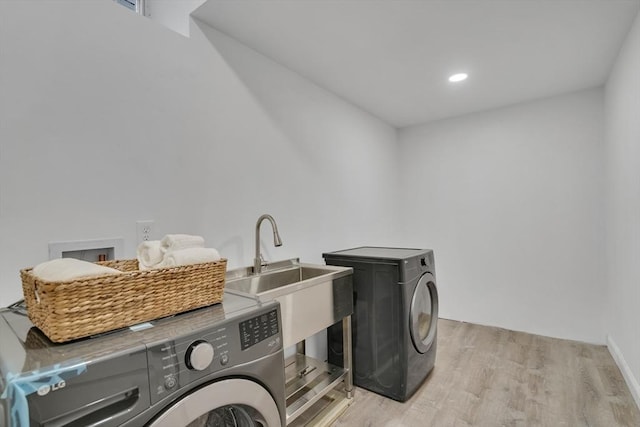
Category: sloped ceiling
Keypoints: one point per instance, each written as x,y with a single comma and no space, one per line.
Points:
393,57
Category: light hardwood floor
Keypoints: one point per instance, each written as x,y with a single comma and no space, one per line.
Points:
486,376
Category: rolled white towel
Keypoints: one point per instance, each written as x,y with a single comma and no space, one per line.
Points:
66,269
175,242
150,254
189,256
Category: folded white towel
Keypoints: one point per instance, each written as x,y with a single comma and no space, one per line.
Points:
189,256
150,254
66,269
175,242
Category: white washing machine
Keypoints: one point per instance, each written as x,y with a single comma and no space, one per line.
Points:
217,366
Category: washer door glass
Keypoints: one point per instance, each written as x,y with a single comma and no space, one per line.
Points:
229,402
230,416
424,313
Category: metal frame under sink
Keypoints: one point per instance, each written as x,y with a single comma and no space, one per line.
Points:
316,299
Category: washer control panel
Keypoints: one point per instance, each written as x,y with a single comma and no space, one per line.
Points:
258,329
177,362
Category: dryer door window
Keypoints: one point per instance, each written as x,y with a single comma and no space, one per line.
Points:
424,313
231,402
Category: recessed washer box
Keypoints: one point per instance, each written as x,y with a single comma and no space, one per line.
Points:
88,250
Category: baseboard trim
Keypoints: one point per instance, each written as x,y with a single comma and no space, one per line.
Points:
631,381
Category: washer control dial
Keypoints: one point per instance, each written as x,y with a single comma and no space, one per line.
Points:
199,355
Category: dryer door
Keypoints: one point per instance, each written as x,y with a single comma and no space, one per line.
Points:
226,403
423,318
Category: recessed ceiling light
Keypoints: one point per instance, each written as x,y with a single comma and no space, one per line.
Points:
458,77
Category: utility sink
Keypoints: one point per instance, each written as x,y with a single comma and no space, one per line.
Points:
312,297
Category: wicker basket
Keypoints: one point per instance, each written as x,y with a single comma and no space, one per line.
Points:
66,311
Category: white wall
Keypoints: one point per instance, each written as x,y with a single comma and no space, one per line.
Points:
107,118
511,202
330,171
173,14
622,171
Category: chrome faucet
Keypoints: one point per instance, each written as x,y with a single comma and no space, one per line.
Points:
257,262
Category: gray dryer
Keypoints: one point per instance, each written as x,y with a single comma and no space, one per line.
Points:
395,318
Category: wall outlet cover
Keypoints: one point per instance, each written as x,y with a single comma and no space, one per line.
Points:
144,230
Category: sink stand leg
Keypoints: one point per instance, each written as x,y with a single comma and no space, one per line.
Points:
348,360
301,347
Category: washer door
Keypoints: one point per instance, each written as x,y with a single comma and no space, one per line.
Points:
232,402
423,319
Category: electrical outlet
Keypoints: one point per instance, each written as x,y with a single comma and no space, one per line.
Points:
144,230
